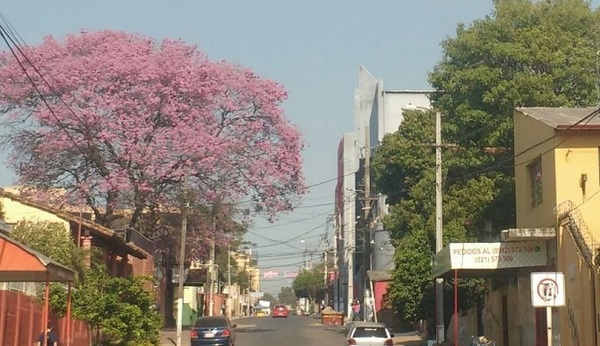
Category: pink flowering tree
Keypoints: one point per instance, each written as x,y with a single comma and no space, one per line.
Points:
122,118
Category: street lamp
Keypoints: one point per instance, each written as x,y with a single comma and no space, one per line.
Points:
439,244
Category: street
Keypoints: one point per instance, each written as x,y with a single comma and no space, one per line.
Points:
291,331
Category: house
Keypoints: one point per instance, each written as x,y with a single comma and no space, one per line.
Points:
557,181
127,253
557,177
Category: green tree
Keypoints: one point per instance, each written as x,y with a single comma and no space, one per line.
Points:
309,283
287,296
52,240
270,298
122,308
526,53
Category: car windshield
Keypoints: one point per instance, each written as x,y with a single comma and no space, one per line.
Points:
369,332
211,322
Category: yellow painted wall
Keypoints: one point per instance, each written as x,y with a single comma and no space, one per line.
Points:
564,160
528,134
15,211
577,317
577,156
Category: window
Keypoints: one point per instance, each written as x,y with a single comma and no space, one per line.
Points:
370,332
535,177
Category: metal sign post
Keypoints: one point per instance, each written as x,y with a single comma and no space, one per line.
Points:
548,290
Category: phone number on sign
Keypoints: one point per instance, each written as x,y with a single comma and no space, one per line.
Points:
493,259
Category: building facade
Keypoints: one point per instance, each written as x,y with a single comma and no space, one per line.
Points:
557,177
362,243
557,183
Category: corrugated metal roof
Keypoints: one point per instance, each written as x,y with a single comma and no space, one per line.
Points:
559,116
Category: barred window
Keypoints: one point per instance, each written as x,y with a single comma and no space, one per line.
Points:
535,176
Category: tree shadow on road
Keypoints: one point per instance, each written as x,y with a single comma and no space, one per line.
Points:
252,330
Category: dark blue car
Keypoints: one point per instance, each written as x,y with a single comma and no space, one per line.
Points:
214,331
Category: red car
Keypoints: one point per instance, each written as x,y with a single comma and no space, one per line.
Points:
280,310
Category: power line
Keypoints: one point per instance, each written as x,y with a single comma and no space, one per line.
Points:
4,34
500,164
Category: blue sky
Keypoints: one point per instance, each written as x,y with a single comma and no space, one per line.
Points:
312,47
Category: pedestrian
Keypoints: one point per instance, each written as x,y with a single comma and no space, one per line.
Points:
51,339
356,310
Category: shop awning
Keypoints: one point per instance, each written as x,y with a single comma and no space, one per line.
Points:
489,259
19,263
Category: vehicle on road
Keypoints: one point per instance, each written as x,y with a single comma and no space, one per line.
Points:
280,310
214,331
369,334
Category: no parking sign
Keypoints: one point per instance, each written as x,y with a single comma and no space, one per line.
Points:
547,289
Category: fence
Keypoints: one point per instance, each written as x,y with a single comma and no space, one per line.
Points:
20,322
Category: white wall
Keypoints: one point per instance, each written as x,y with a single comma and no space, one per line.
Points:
393,101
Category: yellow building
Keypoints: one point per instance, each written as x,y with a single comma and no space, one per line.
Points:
557,176
557,183
245,261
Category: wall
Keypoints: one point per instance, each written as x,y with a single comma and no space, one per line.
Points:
20,322
15,211
467,326
577,317
576,156
349,165
393,101
528,133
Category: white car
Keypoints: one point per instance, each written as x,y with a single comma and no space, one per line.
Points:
369,334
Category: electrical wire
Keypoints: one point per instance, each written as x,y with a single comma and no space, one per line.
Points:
4,34
502,163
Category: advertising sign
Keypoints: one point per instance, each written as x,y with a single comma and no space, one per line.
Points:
290,275
499,255
270,274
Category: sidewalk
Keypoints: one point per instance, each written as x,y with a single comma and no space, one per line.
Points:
408,339
168,337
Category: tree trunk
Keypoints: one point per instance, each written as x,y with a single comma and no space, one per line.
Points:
169,296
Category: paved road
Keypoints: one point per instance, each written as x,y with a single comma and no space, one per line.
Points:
291,331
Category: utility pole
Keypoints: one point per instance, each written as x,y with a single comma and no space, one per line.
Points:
367,209
229,280
336,292
325,268
211,271
439,243
182,260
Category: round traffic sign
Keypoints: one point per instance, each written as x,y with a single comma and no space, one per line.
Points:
547,289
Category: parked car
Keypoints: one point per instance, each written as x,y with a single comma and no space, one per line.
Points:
214,331
369,334
280,310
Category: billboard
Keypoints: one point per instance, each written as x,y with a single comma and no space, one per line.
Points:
270,274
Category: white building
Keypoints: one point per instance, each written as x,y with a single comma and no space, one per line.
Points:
379,112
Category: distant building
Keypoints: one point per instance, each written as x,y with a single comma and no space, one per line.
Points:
381,112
